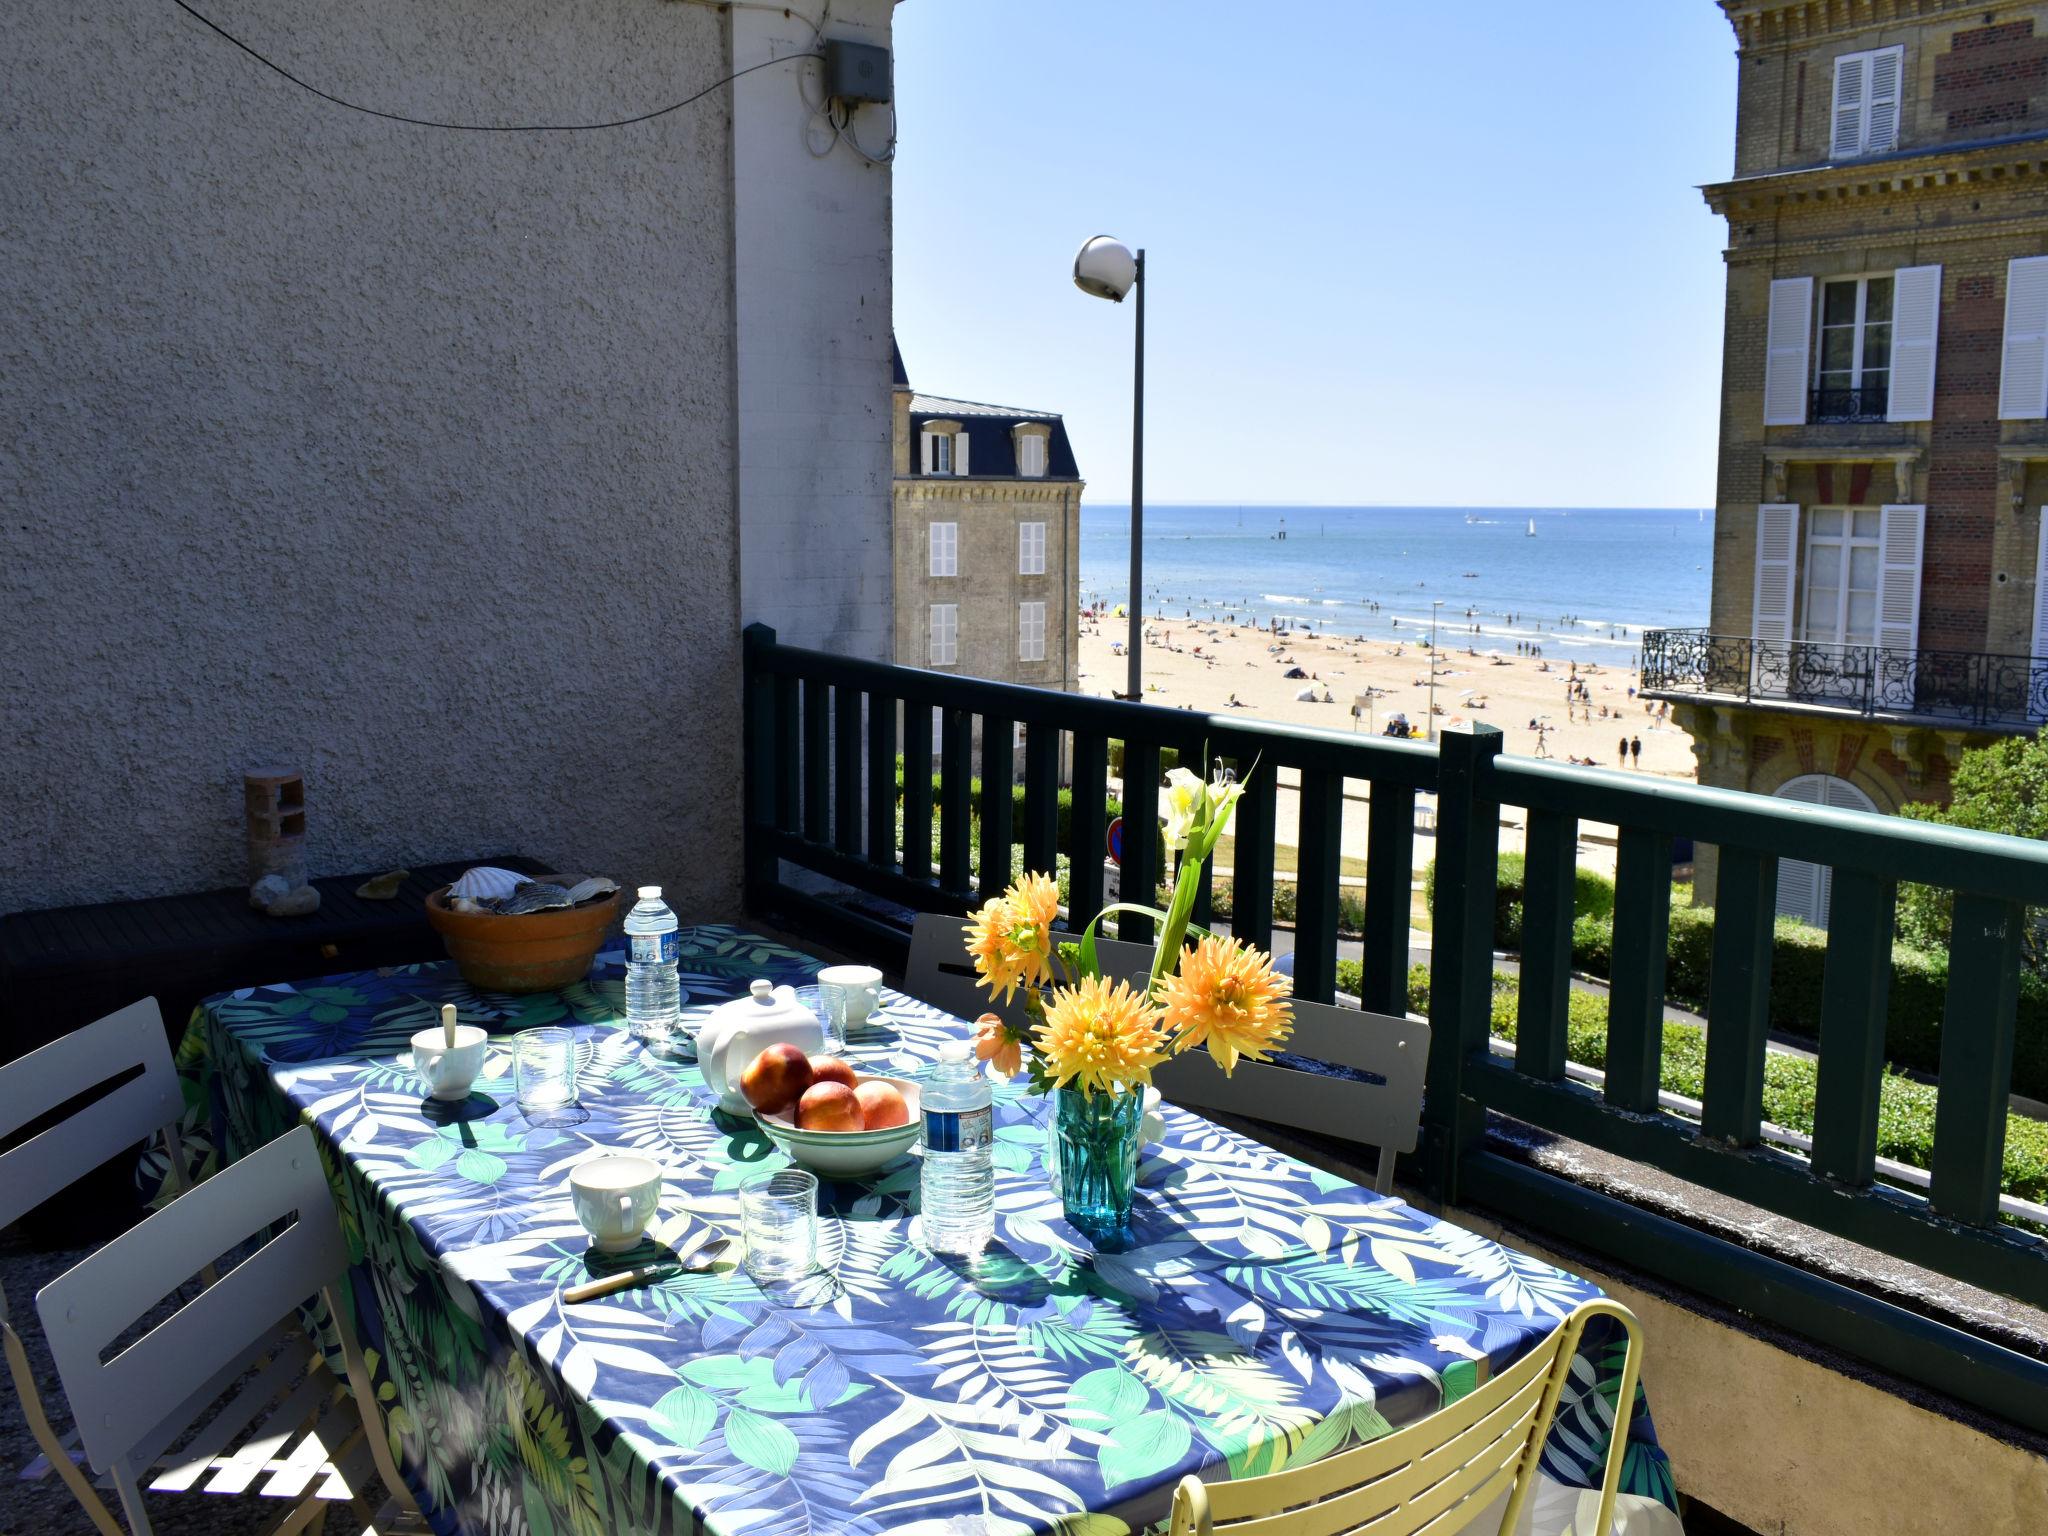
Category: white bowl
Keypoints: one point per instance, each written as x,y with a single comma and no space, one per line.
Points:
847,1154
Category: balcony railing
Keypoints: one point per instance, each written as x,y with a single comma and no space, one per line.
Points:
1868,403
1974,688
822,738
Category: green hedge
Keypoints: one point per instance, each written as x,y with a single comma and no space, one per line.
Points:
1905,1114
1592,896
1286,905
1169,759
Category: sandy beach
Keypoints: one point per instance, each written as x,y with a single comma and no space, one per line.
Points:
1223,669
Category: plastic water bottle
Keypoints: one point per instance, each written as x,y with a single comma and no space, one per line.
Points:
653,996
957,1190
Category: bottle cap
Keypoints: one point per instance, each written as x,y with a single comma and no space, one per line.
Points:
650,893
955,1050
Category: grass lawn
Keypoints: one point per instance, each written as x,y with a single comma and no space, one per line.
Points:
1286,859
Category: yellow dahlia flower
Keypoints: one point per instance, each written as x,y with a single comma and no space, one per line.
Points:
1011,939
1226,995
1100,1035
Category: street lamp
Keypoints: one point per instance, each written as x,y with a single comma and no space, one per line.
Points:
1109,269
1435,604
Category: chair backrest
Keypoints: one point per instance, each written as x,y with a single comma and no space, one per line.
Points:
1122,960
1435,1475
131,1406
131,1040
940,971
1385,1113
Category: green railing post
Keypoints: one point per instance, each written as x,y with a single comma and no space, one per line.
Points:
1316,885
1635,995
998,780
1086,831
757,703
917,790
1389,886
1977,1024
881,804
1461,949
956,797
1854,996
1739,1013
1549,892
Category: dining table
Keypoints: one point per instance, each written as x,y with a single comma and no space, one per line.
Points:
1264,1312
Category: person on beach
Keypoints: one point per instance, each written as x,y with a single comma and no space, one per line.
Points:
1623,751
1635,750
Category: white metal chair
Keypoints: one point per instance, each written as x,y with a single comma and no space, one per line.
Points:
1386,1113
129,1050
238,1344
940,971
1436,1476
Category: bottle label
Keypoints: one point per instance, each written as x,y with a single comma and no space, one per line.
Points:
651,948
958,1130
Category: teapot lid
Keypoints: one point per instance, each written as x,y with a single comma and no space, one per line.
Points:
764,1003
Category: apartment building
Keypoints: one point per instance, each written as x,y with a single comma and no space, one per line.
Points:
1880,582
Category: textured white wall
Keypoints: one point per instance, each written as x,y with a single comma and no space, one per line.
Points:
812,298
402,456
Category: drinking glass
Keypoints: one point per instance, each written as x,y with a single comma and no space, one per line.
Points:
779,1217
544,1066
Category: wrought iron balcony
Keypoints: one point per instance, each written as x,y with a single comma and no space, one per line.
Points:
1835,404
1973,688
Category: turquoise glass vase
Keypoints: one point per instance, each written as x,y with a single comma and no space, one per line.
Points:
1095,1137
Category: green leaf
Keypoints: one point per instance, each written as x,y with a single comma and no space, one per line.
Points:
1140,1447
754,1381
430,1154
1460,1379
685,1416
1107,1396
480,1167
538,1521
760,1442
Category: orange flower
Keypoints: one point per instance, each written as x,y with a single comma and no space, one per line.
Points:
1011,939
1226,995
994,1045
1099,1035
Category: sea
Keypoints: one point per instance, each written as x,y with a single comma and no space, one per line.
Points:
1581,583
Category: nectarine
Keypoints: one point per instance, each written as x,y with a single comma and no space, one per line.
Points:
881,1105
776,1078
829,1107
833,1069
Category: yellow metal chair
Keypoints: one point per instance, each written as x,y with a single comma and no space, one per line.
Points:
1435,1476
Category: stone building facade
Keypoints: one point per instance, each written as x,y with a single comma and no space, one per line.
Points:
987,540
1880,584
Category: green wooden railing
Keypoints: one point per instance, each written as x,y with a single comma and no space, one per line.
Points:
823,734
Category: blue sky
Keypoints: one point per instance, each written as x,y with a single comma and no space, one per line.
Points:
1397,255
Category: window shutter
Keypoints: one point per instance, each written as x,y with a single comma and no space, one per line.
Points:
1777,536
1898,578
960,452
1916,320
2023,383
1787,347
2037,693
1799,881
924,440
1847,141
1881,105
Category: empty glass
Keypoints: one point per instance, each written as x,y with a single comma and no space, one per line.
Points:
544,1067
779,1217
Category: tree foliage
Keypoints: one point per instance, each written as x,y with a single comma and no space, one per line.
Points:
1998,788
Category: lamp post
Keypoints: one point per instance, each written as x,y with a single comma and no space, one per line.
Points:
1435,604
1109,269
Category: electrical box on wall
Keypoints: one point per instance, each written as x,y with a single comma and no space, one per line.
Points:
856,73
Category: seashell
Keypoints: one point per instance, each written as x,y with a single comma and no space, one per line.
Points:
487,883
385,886
591,889
466,904
534,896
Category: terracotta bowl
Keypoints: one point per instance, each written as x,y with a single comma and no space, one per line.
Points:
534,953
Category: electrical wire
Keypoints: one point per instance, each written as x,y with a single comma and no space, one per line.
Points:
425,122
844,132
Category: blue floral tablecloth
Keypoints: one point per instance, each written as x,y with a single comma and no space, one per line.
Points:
1270,1314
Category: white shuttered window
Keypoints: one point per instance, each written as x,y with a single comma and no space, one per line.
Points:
1787,350
1916,321
1031,549
945,642
960,453
1031,456
1866,115
1031,631
2023,383
1898,575
945,549
1777,536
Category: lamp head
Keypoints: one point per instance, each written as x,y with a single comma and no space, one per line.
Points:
1105,268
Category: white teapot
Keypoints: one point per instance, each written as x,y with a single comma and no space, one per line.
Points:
736,1032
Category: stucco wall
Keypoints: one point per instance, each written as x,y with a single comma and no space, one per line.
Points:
402,456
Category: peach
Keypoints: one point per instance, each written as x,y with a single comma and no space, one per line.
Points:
776,1079
881,1104
829,1107
833,1069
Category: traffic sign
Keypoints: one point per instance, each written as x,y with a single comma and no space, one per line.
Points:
1115,840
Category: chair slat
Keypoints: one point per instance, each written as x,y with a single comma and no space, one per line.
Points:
286,1364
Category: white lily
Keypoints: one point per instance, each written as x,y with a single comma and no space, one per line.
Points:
1187,806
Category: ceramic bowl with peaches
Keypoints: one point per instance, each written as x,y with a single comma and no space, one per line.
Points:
827,1116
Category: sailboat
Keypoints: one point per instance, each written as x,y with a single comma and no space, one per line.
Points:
1532,529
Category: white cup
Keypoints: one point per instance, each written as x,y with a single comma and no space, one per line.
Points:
615,1198
851,994
447,1071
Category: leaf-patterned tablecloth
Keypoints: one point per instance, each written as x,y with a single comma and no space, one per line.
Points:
1270,1314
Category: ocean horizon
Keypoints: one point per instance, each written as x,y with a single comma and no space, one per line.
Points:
1584,587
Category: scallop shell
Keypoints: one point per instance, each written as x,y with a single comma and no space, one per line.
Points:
487,883
591,889
534,896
